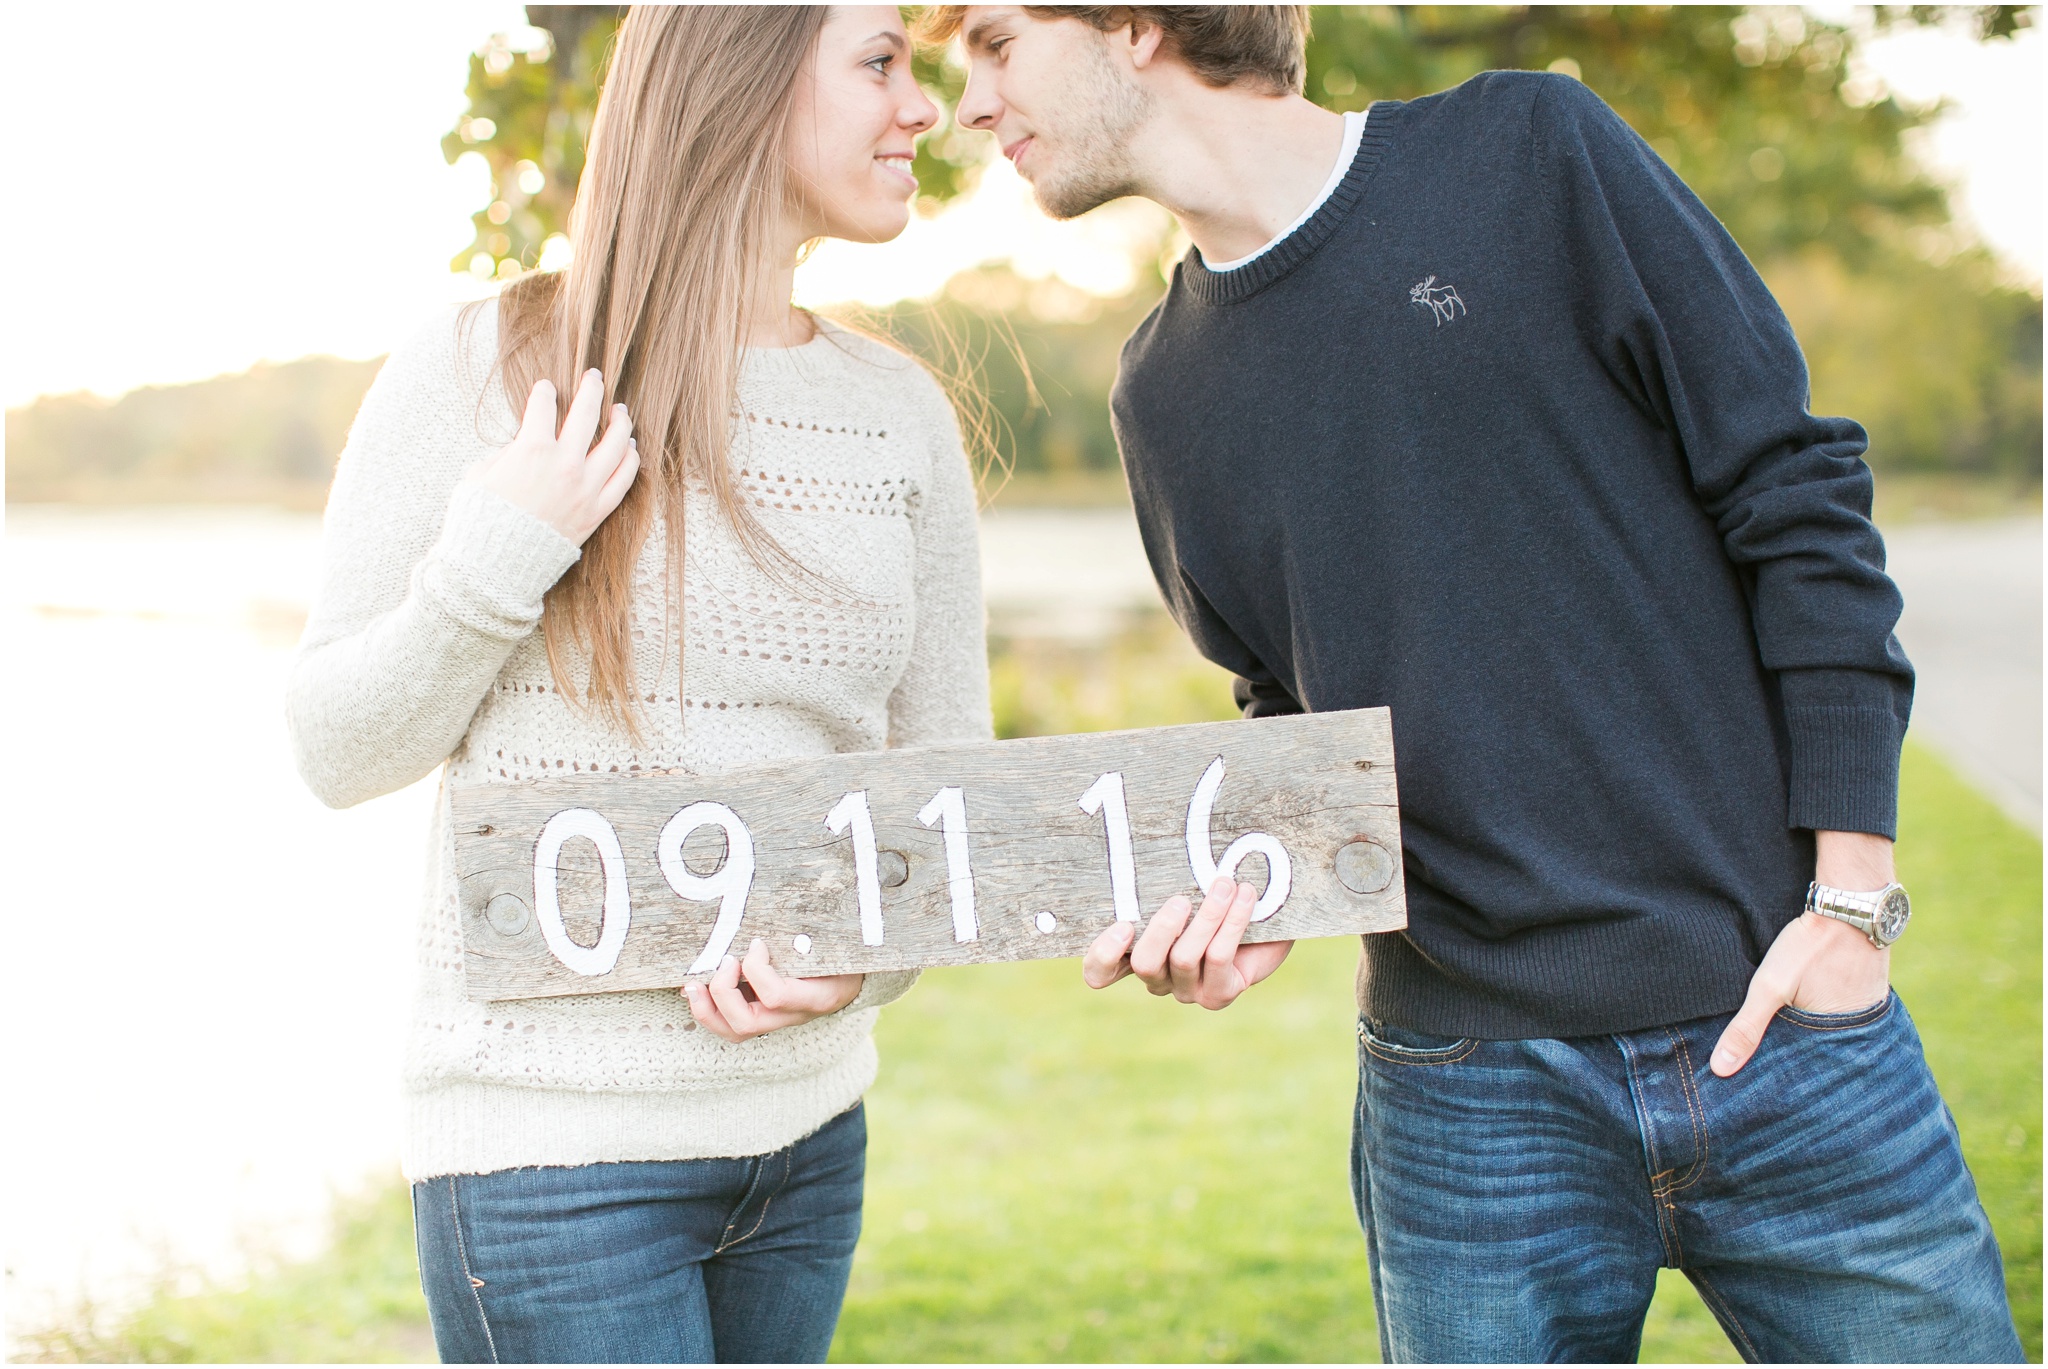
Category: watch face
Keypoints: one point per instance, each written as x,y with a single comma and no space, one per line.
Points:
1892,914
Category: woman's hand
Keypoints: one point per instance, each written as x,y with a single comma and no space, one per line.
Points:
748,998
557,475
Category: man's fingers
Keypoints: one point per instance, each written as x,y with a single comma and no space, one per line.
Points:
1107,958
1148,955
1746,1031
1258,960
584,411
539,420
1188,949
1222,952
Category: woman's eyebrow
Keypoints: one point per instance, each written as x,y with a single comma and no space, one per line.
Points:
889,36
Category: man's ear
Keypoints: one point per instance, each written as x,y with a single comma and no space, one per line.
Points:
1144,41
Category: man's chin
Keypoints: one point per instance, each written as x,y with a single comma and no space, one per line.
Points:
1068,200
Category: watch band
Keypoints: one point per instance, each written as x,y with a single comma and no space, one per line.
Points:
1857,908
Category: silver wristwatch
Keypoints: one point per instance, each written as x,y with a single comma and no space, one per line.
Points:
1881,916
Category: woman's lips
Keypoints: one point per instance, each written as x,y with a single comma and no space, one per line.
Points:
899,164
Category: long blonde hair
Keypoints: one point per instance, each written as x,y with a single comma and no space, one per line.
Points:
683,185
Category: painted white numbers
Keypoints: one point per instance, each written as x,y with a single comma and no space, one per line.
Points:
618,903
728,884
852,811
1279,870
949,808
851,817
1106,796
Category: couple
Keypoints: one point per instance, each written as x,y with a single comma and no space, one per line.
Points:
1464,406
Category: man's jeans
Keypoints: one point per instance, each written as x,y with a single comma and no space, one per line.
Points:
652,1262
1518,1197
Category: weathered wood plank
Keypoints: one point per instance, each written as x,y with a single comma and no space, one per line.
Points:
1043,872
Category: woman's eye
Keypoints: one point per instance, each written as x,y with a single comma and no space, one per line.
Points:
879,65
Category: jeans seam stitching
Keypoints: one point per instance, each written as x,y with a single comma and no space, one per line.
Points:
1649,1132
729,1240
462,1257
1667,1233
1870,1016
1698,1111
1372,1049
1728,1318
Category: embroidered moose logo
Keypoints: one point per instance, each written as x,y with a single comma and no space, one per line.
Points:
1441,300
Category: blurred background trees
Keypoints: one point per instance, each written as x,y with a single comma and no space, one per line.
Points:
1767,112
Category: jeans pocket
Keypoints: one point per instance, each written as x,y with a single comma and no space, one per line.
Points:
1401,1046
1840,1021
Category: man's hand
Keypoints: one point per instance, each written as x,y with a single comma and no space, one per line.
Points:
1817,963
1197,962
764,1001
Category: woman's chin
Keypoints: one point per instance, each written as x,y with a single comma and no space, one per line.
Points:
882,223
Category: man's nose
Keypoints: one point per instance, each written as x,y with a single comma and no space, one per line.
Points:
976,109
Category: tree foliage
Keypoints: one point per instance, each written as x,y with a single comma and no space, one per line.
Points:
529,118
1765,111
1762,110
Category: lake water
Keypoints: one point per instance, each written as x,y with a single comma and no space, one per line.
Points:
207,971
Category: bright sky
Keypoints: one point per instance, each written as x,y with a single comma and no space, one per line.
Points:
203,188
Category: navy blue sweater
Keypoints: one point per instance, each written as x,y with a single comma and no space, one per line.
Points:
1510,437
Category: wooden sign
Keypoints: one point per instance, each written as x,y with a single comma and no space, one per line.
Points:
887,860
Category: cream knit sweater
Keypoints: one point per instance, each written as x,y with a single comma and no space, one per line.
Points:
423,649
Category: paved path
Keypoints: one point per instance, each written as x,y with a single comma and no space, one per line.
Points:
1973,629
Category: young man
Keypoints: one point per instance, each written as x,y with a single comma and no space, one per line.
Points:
1470,408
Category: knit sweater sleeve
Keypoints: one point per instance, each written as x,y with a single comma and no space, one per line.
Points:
427,586
1686,323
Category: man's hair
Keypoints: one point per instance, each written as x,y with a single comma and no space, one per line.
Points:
1261,45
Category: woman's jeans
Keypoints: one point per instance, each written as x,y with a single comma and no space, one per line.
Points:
650,1262
1518,1197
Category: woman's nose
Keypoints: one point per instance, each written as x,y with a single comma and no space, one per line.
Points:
918,115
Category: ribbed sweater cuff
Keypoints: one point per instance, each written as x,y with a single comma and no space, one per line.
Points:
1845,769
494,563
882,987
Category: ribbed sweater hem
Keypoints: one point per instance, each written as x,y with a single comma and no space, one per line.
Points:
463,1126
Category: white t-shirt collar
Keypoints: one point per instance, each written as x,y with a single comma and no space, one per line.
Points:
1354,131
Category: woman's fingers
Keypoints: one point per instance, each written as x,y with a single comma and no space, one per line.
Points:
538,423
611,448
707,1014
619,481
584,411
725,992
772,990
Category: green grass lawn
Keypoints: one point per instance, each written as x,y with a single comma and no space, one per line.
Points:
1057,1174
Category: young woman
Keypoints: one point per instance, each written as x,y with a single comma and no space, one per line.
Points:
643,515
